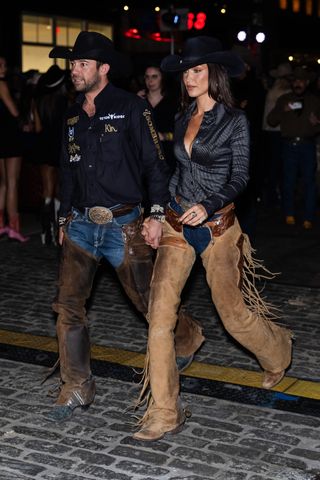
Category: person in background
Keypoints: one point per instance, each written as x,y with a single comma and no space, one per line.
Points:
212,149
10,159
248,92
297,113
272,136
49,107
164,107
109,144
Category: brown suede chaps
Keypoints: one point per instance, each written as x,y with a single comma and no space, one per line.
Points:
77,272
229,267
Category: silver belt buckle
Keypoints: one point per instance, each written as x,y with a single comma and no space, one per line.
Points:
100,215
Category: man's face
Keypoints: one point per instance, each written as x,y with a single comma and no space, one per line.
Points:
85,75
299,86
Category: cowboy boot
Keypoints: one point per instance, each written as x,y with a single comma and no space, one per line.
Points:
3,227
135,274
231,275
172,267
77,271
14,229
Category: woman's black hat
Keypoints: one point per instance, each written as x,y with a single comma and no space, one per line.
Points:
200,50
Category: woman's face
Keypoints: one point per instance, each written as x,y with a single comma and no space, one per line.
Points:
152,78
196,80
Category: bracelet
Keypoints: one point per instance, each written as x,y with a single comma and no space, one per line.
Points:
62,221
159,218
156,210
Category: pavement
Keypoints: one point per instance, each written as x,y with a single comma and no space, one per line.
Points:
237,430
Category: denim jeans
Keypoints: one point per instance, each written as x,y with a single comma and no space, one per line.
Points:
299,159
105,240
198,237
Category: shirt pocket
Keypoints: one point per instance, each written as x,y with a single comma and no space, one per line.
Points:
110,146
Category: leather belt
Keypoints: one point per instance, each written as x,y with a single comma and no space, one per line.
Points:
102,215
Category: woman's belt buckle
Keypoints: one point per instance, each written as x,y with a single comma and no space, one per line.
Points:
100,215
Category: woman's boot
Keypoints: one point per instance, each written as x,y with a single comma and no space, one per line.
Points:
14,229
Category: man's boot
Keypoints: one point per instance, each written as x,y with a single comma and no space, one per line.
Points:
77,270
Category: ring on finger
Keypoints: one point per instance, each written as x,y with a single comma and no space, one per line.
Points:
193,214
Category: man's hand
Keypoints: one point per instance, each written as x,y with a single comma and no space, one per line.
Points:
194,216
152,232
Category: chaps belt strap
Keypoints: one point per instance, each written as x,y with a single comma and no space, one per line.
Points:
220,224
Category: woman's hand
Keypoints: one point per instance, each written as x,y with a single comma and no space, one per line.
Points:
194,216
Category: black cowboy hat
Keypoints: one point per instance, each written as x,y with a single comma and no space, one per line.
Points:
52,78
203,49
93,46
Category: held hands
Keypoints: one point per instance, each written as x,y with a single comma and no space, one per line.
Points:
152,232
194,216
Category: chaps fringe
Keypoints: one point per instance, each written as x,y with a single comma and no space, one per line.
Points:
145,397
249,275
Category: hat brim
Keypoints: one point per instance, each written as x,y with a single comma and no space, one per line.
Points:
119,63
232,62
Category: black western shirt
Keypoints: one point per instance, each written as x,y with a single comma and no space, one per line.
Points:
107,158
216,172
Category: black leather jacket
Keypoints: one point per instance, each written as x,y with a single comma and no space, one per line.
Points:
217,171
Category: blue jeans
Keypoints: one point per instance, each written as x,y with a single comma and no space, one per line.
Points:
105,240
198,237
299,159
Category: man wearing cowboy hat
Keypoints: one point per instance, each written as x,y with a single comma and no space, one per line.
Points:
296,112
110,146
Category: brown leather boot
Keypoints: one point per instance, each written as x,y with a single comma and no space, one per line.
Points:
158,422
271,379
77,270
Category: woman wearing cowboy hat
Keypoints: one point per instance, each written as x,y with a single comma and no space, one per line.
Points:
212,150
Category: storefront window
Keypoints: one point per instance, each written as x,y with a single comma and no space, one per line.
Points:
41,33
67,31
37,29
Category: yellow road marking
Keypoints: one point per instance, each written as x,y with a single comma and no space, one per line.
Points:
238,376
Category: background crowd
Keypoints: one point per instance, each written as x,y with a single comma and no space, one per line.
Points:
284,172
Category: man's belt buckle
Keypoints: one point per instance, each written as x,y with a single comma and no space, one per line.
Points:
100,215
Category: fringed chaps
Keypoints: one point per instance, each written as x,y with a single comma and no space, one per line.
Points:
231,273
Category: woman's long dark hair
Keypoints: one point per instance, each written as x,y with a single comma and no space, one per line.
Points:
219,87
